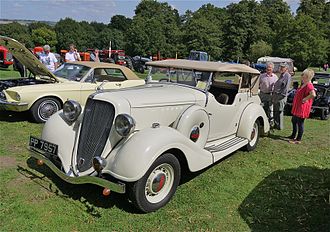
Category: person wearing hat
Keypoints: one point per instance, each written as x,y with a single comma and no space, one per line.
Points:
48,59
279,96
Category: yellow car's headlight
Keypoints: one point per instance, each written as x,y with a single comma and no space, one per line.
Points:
17,97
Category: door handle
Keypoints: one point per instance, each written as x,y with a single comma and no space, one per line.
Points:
118,84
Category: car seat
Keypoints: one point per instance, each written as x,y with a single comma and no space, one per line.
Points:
222,98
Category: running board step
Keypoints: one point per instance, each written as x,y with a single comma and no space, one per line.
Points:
225,145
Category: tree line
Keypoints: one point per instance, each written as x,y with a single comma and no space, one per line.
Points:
241,31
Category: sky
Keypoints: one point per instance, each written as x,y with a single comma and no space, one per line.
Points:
94,10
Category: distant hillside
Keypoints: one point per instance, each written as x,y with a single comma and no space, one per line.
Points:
25,22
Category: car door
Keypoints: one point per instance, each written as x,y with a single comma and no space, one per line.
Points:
224,116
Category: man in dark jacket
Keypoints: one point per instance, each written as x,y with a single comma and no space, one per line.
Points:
279,96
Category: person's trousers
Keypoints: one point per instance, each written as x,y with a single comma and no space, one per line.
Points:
297,126
267,104
278,106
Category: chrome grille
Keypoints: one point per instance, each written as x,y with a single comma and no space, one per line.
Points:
95,130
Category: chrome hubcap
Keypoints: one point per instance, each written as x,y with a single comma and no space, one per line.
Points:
47,109
159,183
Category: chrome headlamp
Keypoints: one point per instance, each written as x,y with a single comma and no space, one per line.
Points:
124,124
71,110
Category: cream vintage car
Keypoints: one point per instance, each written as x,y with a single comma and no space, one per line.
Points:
44,93
141,140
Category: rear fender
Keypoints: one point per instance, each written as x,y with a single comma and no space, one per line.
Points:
131,159
252,113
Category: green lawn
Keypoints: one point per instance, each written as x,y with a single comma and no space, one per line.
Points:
277,187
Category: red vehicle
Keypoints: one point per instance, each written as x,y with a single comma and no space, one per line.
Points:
116,56
6,58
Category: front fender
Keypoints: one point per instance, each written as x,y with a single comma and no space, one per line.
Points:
252,113
130,160
57,131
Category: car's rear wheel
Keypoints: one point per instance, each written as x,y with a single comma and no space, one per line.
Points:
156,188
44,108
254,137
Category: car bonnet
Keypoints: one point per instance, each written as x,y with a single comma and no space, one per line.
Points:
27,58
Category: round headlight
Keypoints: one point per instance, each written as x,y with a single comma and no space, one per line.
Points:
71,110
18,97
124,124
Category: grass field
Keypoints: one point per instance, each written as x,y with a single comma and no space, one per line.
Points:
277,187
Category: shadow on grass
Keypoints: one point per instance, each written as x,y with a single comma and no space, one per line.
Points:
290,200
11,116
277,137
88,194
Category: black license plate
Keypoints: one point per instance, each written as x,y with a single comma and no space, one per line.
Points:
43,145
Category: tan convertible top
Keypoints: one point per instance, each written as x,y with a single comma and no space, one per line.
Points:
203,66
130,75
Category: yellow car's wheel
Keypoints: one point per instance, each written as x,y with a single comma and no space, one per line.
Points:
44,108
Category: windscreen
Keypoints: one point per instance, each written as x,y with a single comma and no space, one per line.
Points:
72,72
181,76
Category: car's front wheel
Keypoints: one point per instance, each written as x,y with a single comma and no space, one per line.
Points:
44,108
254,137
156,188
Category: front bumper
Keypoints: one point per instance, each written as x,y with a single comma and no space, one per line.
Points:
13,106
116,187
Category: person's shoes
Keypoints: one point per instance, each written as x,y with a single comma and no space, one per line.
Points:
290,137
293,141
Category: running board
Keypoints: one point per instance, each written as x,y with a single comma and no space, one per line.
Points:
225,148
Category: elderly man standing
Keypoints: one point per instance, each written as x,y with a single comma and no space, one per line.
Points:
266,85
280,92
48,59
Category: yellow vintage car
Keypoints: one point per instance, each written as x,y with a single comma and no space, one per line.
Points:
44,92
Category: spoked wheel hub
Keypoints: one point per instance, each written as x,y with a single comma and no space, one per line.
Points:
46,109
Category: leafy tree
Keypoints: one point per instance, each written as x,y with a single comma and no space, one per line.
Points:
98,27
17,31
279,19
305,46
43,35
155,27
203,31
37,25
68,31
115,36
120,22
245,25
259,49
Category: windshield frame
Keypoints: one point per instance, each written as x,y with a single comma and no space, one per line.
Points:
75,78
171,77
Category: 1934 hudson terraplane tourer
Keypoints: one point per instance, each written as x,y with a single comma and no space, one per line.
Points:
140,139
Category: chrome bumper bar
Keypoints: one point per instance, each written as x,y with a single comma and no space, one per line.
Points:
4,102
116,187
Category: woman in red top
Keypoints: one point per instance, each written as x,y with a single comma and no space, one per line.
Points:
301,106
